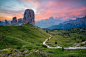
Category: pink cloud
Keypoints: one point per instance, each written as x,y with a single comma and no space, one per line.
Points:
61,9
10,16
47,8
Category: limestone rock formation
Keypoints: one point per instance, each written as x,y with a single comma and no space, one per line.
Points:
6,23
14,21
20,20
29,16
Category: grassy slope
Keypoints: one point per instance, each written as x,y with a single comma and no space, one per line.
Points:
29,37
60,36
65,41
66,52
24,36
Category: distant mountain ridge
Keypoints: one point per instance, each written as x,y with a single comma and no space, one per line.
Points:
79,22
49,22
2,23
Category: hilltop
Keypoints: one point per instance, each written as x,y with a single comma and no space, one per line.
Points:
24,36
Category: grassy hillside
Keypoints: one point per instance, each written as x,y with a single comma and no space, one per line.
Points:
24,36
67,38
26,40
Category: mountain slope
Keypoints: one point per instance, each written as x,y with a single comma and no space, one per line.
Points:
2,23
24,36
48,22
79,22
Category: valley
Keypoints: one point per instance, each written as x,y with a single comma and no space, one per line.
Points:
67,38
42,28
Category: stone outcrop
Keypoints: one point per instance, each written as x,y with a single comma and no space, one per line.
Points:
6,23
14,20
29,16
20,20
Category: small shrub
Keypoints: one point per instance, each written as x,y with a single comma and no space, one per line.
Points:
62,48
44,46
37,44
50,52
0,36
83,40
82,44
30,48
55,42
18,47
47,31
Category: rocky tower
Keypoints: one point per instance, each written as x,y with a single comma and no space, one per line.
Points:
29,16
20,20
6,23
14,20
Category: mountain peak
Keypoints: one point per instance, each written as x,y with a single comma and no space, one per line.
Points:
79,22
51,18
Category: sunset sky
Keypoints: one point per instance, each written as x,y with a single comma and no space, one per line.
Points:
43,8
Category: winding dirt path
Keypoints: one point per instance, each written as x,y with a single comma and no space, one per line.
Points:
44,43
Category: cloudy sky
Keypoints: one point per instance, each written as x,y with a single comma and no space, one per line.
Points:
43,8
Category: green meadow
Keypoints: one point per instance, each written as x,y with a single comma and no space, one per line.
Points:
26,39
66,38
24,36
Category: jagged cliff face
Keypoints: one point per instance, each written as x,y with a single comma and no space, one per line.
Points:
29,16
77,21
